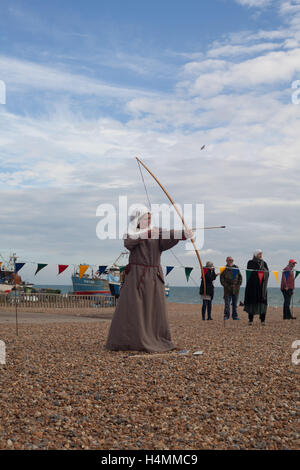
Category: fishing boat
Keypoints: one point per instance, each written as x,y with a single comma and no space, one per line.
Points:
106,281
9,279
90,284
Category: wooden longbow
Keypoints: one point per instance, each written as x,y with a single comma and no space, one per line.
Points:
182,219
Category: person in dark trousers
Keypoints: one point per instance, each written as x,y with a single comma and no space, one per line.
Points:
210,276
256,297
231,279
287,288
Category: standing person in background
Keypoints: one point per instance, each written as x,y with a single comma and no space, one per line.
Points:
287,288
210,276
231,279
256,297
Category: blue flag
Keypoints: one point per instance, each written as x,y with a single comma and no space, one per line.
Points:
169,269
18,266
101,269
235,272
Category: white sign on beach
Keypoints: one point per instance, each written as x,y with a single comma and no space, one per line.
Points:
296,354
2,352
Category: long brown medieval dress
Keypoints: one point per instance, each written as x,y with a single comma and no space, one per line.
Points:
140,320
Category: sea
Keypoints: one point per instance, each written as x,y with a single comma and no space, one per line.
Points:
190,294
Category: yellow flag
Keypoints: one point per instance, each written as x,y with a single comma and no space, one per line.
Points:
82,269
222,268
276,273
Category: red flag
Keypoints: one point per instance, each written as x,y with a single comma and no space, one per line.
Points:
261,275
62,267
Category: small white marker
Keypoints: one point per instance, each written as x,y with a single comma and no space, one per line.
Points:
2,353
183,352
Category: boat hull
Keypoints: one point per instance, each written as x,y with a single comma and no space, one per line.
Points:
5,288
88,286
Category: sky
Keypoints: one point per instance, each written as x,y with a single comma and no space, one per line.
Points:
90,85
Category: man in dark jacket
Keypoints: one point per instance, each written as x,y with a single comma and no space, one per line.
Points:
287,288
231,279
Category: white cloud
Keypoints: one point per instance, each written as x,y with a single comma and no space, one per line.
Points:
24,75
255,3
262,70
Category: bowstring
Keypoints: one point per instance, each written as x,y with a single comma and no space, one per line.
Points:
149,203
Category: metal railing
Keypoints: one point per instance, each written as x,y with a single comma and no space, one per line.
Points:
40,300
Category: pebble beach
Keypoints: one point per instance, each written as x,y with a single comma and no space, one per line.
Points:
60,389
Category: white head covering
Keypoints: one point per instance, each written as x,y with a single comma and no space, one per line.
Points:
209,264
138,215
256,252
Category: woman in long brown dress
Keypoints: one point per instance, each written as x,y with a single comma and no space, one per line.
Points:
140,320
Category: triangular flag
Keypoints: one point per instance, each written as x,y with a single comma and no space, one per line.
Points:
122,268
188,273
39,267
261,275
18,266
248,274
222,268
287,274
82,269
297,274
276,274
101,269
235,272
62,268
169,269
205,270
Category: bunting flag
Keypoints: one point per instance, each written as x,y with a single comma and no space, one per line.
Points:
169,269
82,269
101,269
235,272
62,268
18,266
188,273
39,267
261,275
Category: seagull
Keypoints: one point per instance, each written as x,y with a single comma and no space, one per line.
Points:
203,147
